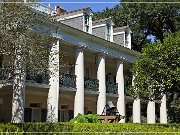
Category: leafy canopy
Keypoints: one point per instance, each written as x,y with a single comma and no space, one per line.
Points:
145,19
18,20
157,69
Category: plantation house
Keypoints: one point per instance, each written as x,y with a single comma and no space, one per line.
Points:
99,59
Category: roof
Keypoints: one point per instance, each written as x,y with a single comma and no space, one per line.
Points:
104,20
121,28
101,20
81,9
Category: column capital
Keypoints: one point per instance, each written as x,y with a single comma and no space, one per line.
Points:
104,55
118,61
81,48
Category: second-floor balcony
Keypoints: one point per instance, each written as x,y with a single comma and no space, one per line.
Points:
67,80
37,77
111,88
91,84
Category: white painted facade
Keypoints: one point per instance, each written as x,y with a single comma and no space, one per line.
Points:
84,89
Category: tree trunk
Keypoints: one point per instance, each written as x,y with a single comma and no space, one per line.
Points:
18,99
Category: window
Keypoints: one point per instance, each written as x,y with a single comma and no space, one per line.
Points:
108,32
86,19
63,113
108,77
87,73
126,39
86,22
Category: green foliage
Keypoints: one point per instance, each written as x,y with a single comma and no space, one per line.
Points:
157,69
18,20
95,128
6,128
45,127
157,72
144,19
90,118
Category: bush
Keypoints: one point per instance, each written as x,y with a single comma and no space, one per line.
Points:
9,128
119,127
90,128
90,118
45,126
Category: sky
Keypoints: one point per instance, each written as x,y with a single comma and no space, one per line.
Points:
69,5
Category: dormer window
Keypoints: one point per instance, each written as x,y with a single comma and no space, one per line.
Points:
108,32
86,18
126,39
86,22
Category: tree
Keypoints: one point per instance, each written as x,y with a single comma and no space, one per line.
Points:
19,42
157,71
145,19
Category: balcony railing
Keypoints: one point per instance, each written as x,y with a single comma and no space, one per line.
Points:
91,84
111,87
38,77
42,8
5,73
67,80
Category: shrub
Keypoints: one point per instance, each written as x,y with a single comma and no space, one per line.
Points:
90,128
9,128
45,126
90,118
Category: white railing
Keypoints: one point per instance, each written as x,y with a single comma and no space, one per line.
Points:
43,8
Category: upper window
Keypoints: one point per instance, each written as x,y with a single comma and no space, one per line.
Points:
86,16
126,39
108,32
86,22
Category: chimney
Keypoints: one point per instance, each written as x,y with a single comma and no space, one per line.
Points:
59,10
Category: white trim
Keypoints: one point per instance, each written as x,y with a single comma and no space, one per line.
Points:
78,38
100,25
117,33
70,17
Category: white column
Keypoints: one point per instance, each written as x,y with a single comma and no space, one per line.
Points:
120,81
163,110
18,96
53,95
136,108
101,76
137,111
79,72
151,112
